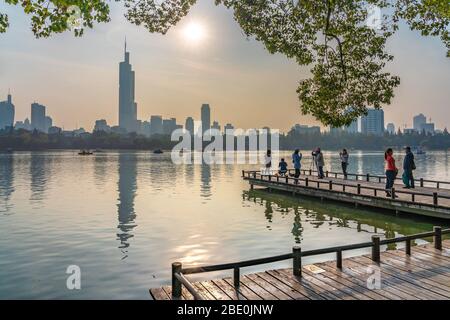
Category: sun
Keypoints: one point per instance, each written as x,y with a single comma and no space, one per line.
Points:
194,32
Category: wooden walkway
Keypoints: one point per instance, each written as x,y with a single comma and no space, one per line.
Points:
423,275
426,201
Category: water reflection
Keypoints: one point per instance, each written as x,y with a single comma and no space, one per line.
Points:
127,187
6,182
39,175
205,187
331,215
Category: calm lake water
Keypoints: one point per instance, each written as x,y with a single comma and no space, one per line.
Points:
123,217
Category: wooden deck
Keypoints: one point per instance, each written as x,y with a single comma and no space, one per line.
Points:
424,275
425,201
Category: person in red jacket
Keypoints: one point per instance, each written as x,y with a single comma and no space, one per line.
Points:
391,170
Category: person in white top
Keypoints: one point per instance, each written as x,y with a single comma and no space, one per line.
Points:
344,162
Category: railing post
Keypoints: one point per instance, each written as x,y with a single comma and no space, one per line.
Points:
421,182
287,180
437,185
243,173
306,182
379,179
326,173
435,198
176,284
376,248
297,260
236,277
339,259
408,247
437,238
368,177
393,193
310,172
330,184
359,188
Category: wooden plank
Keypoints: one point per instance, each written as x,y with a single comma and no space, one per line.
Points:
299,286
352,282
345,289
280,295
244,290
215,291
229,290
408,284
386,285
306,281
424,260
203,292
159,294
264,294
283,287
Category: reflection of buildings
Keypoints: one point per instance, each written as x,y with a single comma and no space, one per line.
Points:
38,175
127,187
6,181
205,188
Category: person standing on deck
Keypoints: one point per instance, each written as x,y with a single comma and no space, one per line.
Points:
344,162
391,170
320,163
296,160
408,167
268,161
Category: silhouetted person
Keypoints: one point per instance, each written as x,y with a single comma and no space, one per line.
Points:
391,170
408,167
320,162
282,167
344,162
296,160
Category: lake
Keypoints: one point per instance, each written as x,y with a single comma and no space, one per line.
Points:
123,217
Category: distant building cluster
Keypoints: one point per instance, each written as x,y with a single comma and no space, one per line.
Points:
373,123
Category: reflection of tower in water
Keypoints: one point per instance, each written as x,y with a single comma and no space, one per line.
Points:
6,181
39,176
205,188
127,187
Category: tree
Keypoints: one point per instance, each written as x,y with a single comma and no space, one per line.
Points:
342,40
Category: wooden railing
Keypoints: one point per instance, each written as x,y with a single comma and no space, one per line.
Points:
374,178
331,186
179,279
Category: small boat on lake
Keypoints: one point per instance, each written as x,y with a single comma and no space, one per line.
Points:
158,151
85,153
418,150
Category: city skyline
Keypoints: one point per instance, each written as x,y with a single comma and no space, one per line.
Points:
245,84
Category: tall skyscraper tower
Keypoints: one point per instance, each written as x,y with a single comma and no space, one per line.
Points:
38,121
373,122
127,105
206,117
7,113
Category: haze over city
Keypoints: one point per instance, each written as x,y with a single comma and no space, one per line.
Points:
205,59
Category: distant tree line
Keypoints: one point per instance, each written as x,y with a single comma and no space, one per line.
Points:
34,140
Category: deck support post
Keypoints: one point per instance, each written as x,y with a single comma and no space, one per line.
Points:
421,182
330,185
176,284
376,249
339,259
368,177
359,188
437,238
306,182
297,260
435,198
236,277
408,247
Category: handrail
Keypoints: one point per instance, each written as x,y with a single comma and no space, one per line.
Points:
277,179
178,278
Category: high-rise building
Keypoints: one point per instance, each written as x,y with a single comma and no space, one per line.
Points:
206,117
38,121
353,127
7,112
418,122
215,125
156,125
169,125
390,128
189,125
127,105
373,122
428,128
102,125
48,123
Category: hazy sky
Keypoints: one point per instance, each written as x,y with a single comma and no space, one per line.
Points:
77,78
